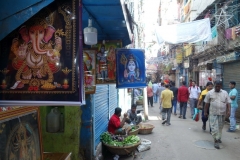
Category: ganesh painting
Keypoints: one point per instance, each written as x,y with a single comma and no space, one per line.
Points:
36,57
40,59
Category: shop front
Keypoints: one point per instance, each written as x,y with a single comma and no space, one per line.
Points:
207,72
231,71
42,64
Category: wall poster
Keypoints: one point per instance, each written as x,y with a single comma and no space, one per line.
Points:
20,134
89,61
106,61
39,60
130,68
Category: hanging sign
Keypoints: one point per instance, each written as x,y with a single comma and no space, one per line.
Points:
130,68
228,58
39,62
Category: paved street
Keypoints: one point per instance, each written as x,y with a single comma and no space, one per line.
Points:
179,141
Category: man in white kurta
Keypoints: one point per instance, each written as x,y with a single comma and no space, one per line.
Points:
219,102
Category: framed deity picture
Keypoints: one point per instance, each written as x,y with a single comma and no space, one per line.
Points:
89,65
20,134
40,60
130,68
106,61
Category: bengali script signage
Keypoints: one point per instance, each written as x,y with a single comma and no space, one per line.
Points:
228,58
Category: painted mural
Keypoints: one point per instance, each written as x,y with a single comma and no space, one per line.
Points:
40,56
106,61
131,68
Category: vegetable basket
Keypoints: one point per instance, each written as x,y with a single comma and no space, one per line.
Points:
122,150
139,102
134,132
145,128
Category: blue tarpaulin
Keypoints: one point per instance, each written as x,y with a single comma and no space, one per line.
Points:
14,13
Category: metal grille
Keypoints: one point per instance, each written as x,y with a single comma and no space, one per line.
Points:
100,112
105,100
231,72
113,99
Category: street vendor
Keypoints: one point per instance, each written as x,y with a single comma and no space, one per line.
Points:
115,126
132,114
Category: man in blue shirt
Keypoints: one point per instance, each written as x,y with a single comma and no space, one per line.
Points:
155,92
233,94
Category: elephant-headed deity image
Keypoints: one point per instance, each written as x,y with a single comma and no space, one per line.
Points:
37,54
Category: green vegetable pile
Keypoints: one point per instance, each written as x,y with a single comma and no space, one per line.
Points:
119,140
133,128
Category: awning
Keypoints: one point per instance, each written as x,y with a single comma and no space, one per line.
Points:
206,62
110,17
152,68
14,13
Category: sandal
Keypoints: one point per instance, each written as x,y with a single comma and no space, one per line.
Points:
216,144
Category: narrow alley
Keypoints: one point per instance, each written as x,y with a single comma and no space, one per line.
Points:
182,140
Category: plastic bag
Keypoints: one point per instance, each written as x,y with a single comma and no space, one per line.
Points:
145,145
178,106
196,115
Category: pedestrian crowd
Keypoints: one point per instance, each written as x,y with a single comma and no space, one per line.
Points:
216,104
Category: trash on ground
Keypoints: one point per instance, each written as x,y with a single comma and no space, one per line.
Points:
145,145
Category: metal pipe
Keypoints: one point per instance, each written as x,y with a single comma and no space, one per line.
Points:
80,49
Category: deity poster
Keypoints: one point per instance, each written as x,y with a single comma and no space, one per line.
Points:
106,61
130,68
40,59
20,134
89,61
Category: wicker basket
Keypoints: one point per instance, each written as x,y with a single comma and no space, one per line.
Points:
139,102
135,132
145,128
122,150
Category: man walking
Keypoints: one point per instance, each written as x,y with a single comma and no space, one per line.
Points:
155,92
219,103
194,92
182,98
160,89
150,95
174,101
209,87
166,102
233,94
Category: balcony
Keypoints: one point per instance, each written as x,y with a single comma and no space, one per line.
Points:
203,46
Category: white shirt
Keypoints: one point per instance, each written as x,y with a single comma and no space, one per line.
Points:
218,102
194,92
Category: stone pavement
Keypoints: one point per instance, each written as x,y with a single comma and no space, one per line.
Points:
184,139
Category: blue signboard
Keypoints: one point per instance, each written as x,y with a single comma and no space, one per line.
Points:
130,68
228,57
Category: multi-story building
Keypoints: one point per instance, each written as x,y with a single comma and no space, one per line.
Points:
217,59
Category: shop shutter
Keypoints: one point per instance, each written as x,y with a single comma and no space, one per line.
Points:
113,99
104,101
231,72
100,112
